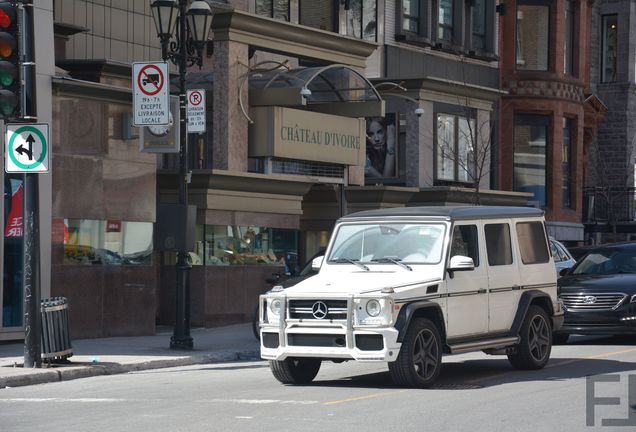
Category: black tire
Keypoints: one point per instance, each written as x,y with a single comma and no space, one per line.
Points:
533,351
420,359
295,370
560,338
256,328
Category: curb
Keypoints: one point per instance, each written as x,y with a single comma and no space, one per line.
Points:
42,376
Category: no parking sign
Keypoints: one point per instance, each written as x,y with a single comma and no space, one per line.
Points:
151,94
196,110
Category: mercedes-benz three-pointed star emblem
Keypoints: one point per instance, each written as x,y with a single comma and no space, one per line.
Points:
319,310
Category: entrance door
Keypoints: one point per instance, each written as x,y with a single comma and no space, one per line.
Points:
467,290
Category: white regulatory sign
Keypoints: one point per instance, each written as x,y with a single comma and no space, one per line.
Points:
196,110
151,94
27,148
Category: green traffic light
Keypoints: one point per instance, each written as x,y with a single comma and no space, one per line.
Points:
6,78
7,107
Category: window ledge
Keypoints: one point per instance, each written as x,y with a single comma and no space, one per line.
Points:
414,39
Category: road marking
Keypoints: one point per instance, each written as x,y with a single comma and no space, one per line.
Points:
244,417
259,401
556,364
64,400
370,396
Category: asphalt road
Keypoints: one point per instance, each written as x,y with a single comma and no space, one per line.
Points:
475,392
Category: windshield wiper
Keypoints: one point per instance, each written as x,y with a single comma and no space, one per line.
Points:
394,261
350,261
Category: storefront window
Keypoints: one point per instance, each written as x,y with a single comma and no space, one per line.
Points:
530,144
13,249
246,245
110,242
361,19
610,46
533,36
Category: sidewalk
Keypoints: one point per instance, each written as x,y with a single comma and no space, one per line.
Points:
107,356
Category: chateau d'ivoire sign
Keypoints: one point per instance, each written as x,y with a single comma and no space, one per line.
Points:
305,135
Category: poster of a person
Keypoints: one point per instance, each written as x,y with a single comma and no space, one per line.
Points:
381,147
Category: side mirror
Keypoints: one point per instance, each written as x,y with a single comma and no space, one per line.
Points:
316,263
564,271
461,263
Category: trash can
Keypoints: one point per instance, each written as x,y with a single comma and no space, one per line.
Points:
56,338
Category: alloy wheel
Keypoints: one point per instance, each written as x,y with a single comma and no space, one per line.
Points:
425,354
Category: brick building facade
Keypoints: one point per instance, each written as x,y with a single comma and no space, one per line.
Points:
544,48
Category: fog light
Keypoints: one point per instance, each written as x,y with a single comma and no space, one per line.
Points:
630,318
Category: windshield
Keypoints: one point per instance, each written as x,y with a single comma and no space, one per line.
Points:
607,261
410,243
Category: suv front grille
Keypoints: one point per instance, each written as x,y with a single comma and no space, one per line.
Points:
588,302
304,309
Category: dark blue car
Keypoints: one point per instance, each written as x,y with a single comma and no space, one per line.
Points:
599,293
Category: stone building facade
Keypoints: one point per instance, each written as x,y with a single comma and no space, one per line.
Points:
337,69
610,177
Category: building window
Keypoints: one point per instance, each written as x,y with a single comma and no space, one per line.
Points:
533,35
455,148
411,16
609,48
361,19
278,9
319,14
529,155
445,20
568,48
479,25
566,163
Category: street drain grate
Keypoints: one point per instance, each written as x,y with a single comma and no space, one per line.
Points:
456,387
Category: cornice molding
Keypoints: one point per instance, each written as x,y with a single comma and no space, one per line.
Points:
238,26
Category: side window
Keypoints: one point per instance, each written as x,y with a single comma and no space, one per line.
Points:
465,242
498,244
556,255
532,243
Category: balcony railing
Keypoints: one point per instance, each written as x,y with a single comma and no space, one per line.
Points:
609,205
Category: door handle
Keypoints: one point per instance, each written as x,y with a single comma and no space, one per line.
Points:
516,287
482,291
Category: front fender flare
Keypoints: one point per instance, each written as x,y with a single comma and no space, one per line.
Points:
409,310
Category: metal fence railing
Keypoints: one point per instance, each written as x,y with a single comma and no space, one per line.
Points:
609,205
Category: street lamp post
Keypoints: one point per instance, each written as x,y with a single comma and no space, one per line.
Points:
183,48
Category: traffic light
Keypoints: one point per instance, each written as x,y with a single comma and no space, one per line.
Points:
9,61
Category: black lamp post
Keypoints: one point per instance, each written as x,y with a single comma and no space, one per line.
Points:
183,48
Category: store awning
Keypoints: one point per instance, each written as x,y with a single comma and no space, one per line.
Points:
335,89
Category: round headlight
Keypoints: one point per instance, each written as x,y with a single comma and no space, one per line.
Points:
373,308
274,306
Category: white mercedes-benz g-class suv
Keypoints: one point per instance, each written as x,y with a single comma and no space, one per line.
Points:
406,285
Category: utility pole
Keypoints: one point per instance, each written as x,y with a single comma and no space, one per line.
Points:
31,214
